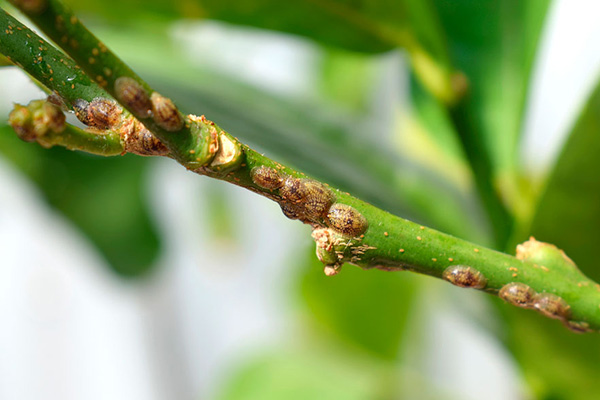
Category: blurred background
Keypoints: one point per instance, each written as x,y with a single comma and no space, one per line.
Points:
129,277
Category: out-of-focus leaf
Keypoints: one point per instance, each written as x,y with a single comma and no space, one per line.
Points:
560,364
325,142
307,374
568,212
102,196
557,363
358,25
494,44
368,309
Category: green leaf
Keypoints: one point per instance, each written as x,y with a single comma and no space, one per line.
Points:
494,44
568,212
568,215
557,363
102,196
368,309
308,374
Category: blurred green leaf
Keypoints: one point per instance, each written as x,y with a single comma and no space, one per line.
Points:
568,212
308,374
358,25
568,215
368,309
494,44
557,363
102,196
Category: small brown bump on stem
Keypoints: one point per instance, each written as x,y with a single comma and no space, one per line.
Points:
310,198
165,114
552,306
578,326
293,190
518,294
138,140
346,220
266,177
80,107
291,211
103,114
318,200
464,276
133,96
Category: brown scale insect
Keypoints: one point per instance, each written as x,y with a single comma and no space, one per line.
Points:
310,199
100,113
291,211
293,190
134,96
318,199
518,294
165,114
578,326
552,306
464,276
141,142
346,220
266,177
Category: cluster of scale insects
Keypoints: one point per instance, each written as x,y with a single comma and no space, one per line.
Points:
517,294
314,203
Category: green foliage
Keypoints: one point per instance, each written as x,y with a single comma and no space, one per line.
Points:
103,197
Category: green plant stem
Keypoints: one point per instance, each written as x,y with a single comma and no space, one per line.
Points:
389,242
60,24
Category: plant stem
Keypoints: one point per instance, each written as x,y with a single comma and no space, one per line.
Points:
346,229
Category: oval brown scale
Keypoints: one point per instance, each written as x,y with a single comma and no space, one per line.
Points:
552,306
346,220
291,211
266,177
293,190
165,114
464,276
103,114
133,96
318,199
579,326
80,107
518,294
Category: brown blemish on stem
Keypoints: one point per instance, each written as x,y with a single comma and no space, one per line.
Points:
165,114
346,220
518,294
132,95
266,177
464,276
552,306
